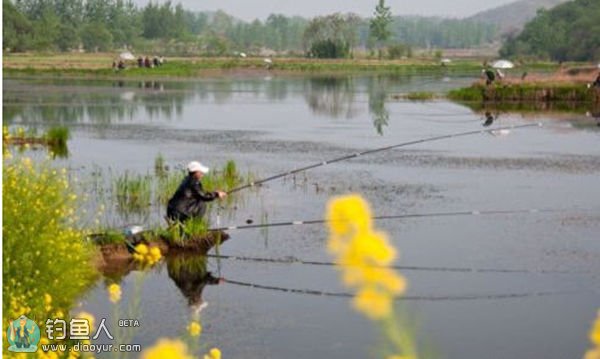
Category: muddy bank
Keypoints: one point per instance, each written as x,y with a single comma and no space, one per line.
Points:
117,258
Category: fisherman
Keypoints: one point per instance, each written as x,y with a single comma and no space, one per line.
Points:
597,82
189,201
489,75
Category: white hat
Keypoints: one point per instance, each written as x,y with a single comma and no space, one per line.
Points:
195,166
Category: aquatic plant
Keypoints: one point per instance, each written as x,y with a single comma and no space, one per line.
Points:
133,192
160,170
365,256
40,242
55,139
420,96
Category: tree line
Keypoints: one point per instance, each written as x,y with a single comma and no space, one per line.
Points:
567,32
102,25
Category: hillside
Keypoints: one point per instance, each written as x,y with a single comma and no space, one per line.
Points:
513,16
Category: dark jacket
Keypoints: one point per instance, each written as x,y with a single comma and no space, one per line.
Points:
189,200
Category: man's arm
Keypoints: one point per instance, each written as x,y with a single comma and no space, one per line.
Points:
199,193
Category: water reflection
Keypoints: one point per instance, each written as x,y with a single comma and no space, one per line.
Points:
331,96
190,275
378,93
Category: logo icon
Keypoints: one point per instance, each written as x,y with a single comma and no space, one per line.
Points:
23,335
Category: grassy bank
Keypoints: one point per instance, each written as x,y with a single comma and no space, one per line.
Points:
573,92
99,65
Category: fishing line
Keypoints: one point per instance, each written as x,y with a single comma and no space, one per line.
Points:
400,298
294,260
409,215
381,149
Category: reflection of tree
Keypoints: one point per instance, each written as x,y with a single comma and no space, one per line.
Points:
332,96
377,97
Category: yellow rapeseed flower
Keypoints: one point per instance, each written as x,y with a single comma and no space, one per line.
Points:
347,214
374,303
146,256
594,353
364,256
114,292
194,328
87,316
214,353
167,348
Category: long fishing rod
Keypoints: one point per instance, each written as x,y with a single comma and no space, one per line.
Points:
408,215
380,149
294,260
400,298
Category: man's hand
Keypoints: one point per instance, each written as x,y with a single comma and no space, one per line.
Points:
222,194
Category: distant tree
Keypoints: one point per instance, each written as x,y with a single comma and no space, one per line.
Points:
379,25
565,32
332,36
96,37
16,29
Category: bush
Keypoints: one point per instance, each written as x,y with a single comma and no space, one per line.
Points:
329,49
46,263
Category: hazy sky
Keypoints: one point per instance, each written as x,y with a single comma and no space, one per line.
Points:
251,9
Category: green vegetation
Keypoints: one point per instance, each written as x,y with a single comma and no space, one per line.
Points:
420,96
133,192
565,32
99,25
40,242
532,92
379,25
55,139
332,36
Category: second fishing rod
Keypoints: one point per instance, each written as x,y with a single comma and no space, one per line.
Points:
376,150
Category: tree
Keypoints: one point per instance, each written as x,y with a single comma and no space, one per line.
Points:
96,37
16,29
379,25
563,33
332,36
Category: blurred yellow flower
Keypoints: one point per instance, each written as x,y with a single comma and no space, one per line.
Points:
146,256
194,328
167,348
347,214
594,353
374,303
214,353
87,316
114,292
364,256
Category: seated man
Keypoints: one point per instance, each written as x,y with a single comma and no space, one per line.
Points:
189,201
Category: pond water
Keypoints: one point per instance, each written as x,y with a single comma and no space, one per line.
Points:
460,298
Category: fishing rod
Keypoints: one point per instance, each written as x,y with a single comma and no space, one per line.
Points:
400,298
408,215
294,260
380,149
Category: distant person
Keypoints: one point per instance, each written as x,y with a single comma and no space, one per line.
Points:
490,76
155,61
596,83
489,119
189,201
114,65
499,74
161,60
147,62
140,61
121,65
524,75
